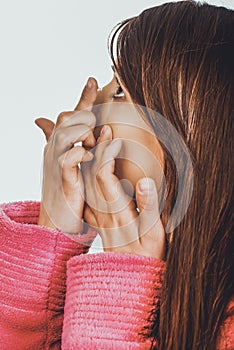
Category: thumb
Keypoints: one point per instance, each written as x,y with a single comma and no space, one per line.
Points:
46,125
151,231
89,95
147,202
146,195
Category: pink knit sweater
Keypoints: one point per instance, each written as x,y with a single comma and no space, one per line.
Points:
108,295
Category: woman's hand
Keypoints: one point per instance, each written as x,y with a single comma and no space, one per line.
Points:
112,213
62,201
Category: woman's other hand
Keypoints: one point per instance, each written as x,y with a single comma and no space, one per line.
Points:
62,201
112,213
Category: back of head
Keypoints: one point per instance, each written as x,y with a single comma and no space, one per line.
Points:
177,59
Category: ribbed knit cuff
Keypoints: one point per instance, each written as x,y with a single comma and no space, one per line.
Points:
109,298
33,278
225,339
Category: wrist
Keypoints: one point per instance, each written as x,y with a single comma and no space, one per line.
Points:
44,219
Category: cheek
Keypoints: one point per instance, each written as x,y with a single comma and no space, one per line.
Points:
103,113
129,173
121,116
141,154
134,162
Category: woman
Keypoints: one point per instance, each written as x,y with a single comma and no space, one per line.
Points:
175,59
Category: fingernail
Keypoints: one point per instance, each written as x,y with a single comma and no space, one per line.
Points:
104,129
89,83
146,185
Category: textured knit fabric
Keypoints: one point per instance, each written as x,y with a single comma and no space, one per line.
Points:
108,295
226,336
32,279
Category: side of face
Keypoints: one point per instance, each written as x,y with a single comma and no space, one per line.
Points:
141,154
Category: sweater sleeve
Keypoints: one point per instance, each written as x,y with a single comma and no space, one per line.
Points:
33,278
109,299
226,336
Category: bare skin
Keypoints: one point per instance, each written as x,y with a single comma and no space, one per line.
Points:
126,230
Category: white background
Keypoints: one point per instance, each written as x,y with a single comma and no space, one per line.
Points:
48,50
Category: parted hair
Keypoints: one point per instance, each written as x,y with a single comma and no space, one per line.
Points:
178,59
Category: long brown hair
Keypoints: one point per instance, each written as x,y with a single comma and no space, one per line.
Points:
178,59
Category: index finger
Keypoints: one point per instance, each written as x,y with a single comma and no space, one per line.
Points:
88,96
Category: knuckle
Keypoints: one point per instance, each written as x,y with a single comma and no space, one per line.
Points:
84,97
64,161
91,119
100,176
60,137
149,206
88,118
63,116
148,202
84,130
